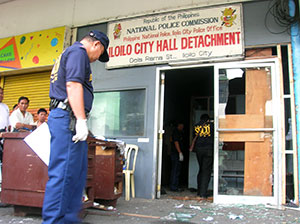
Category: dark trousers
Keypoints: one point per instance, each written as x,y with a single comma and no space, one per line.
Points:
205,162
175,171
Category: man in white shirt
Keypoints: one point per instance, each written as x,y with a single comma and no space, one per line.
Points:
4,121
4,113
20,119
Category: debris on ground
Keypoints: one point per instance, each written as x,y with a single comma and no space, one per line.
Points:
103,207
196,207
194,198
235,217
167,210
179,216
140,215
179,206
208,219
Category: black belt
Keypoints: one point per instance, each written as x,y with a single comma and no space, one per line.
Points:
54,103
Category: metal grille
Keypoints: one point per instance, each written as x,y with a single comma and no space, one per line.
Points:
35,86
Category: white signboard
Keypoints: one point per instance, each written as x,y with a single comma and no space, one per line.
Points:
205,33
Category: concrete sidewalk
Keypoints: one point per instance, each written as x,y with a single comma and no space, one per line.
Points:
168,210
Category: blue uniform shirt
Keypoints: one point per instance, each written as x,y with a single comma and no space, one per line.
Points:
72,65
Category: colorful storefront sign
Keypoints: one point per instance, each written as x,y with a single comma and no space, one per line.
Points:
32,49
179,36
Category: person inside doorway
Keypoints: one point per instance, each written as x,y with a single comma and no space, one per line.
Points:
20,119
176,156
41,115
203,135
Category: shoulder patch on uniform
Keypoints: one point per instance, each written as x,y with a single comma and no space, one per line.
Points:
54,72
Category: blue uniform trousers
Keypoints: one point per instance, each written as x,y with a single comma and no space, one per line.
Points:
67,172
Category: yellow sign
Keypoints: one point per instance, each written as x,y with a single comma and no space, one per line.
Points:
32,49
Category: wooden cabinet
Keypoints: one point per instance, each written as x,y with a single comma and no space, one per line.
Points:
24,175
108,170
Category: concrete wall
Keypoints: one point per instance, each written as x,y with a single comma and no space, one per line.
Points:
259,25
139,77
20,16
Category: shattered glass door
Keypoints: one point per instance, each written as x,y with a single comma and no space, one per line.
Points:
245,132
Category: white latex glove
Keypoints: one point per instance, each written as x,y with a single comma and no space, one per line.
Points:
180,157
81,130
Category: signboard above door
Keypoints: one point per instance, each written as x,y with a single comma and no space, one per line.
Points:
187,35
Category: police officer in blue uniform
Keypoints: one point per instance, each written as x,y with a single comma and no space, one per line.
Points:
71,94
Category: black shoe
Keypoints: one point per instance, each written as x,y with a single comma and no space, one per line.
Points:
201,195
177,190
193,190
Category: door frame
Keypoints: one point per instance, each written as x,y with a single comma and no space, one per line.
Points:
158,129
158,113
273,63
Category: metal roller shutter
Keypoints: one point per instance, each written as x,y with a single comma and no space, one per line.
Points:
35,86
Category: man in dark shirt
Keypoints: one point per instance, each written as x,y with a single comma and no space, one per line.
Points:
176,156
204,148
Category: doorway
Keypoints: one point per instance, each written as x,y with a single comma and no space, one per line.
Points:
188,94
246,129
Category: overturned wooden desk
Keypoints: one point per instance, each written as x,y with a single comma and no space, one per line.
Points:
24,175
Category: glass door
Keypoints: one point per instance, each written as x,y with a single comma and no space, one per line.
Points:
247,133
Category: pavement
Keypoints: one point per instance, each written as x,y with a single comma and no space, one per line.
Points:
172,208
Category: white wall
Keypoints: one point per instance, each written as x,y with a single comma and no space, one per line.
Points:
20,16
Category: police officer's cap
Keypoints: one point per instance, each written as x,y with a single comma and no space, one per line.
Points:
104,41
